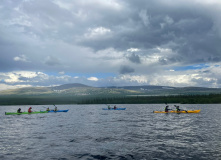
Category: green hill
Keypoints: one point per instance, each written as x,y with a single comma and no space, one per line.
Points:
80,94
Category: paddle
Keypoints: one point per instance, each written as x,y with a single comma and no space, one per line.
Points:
44,107
185,111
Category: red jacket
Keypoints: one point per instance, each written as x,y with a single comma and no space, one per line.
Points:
29,110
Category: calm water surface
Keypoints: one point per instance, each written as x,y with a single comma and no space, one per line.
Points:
88,132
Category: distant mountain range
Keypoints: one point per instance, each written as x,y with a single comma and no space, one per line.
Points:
77,89
68,86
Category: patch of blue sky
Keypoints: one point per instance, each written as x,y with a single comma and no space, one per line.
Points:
191,67
87,75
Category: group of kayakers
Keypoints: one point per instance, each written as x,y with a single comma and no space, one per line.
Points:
55,109
30,109
166,108
177,108
115,107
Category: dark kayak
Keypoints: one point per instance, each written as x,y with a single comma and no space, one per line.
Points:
58,111
114,109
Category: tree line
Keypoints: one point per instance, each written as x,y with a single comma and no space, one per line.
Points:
182,99
47,100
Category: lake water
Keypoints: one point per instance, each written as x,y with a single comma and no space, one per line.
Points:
88,132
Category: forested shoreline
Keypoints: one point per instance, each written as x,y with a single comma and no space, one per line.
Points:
47,100
182,99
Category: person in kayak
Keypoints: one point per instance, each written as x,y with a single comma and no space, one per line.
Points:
167,109
55,109
48,109
29,110
177,108
108,107
115,107
19,110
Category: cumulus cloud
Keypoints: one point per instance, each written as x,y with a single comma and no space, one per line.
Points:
202,77
22,58
62,73
20,76
126,38
93,78
133,50
7,87
96,32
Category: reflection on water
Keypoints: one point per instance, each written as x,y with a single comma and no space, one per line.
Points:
88,132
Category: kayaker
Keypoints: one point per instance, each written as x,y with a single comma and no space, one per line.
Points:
19,110
177,108
109,107
55,109
115,107
167,109
48,109
29,110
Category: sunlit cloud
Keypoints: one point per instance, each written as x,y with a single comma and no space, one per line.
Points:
133,50
93,79
97,32
22,58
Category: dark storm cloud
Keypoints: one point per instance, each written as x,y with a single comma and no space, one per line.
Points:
154,23
126,70
142,24
134,58
81,36
163,61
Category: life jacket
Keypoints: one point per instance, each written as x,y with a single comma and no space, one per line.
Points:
29,110
177,109
166,109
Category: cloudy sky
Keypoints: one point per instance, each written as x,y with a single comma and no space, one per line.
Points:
110,42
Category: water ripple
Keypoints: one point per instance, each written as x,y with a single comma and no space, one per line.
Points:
87,132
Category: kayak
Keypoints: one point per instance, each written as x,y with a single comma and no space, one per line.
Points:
186,111
11,113
114,109
58,111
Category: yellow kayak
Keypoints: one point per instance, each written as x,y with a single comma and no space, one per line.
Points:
186,111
